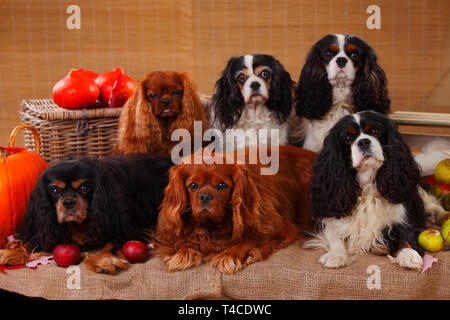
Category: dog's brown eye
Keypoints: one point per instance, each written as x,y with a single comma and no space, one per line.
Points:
177,92
241,78
348,138
221,186
193,186
328,54
84,189
265,74
375,132
54,191
153,96
354,55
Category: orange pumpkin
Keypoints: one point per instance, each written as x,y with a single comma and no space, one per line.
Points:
19,172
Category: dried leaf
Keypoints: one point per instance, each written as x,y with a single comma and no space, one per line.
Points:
45,260
428,262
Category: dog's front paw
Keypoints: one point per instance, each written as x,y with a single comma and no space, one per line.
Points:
227,262
408,258
183,259
254,255
335,260
106,263
13,257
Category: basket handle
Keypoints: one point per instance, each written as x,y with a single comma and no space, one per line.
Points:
37,140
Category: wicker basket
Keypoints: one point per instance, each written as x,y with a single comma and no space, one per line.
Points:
70,133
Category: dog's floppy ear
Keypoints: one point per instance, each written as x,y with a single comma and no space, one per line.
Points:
370,86
227,100
135,134
192,107
253,205
334,189
173,206
245,202
108,212
190,100
281,92
40,226
313,96
398,177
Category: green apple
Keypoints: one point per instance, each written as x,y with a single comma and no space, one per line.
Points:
446,230
442,171
446,202
431,240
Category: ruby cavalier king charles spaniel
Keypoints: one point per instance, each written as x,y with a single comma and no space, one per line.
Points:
231,215
162,102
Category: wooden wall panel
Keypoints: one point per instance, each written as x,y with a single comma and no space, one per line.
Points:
199,36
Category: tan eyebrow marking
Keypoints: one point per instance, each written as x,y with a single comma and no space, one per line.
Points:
367,127
334,47
352,131
77,183
350,47
60,184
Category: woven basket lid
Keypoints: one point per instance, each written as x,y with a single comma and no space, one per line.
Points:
46,109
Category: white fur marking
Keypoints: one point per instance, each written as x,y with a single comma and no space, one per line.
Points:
375,150
408,258
317,130
338,76
248,61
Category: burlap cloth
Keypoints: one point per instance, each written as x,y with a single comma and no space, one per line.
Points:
291,273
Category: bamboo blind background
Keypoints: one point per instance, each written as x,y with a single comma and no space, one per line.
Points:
199,36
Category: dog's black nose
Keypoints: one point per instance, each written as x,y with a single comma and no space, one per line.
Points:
165,102
255,85
69,203
205,198
364,143
341,62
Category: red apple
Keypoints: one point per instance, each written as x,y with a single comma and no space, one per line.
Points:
66,254
135,251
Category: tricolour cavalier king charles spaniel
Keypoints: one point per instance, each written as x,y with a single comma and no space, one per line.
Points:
94,204
162,102
366,195
254,92
341,76
230,214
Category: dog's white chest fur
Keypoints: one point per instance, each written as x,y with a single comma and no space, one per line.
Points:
256,116
362,230
317,130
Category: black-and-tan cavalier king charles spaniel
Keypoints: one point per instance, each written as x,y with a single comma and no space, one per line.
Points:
365,194
254,92
96,204
341,76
